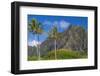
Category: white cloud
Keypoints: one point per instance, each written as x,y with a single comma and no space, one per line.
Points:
47,23
34,43
55,23
64,24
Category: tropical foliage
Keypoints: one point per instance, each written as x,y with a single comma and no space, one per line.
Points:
55,35
35,27
62,54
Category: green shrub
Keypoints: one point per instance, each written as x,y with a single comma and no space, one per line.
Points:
65,54
61,54
30,58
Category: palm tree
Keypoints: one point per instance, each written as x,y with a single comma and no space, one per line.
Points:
35,27
55,35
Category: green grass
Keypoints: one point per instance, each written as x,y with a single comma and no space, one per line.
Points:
61,54
30,58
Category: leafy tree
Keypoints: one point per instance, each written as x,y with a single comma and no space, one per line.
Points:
35,27
55,35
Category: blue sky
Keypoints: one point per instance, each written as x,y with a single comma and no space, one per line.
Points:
62,23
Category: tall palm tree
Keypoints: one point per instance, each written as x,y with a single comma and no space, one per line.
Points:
55,35
35,27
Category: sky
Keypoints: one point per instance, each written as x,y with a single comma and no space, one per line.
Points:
48,21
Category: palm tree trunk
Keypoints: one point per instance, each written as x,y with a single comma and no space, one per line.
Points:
55,50
36,48
39,56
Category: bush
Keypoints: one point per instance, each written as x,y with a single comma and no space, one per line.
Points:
61,54
65,54
30,58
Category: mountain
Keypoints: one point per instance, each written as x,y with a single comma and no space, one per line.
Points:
34,43
32,51
74,38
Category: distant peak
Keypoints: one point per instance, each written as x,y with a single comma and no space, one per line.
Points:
34,43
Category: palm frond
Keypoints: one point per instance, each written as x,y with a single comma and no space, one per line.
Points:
35,27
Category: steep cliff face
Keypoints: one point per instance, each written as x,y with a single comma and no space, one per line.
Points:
74,38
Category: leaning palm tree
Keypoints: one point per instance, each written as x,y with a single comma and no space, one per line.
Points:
35,27
55,35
